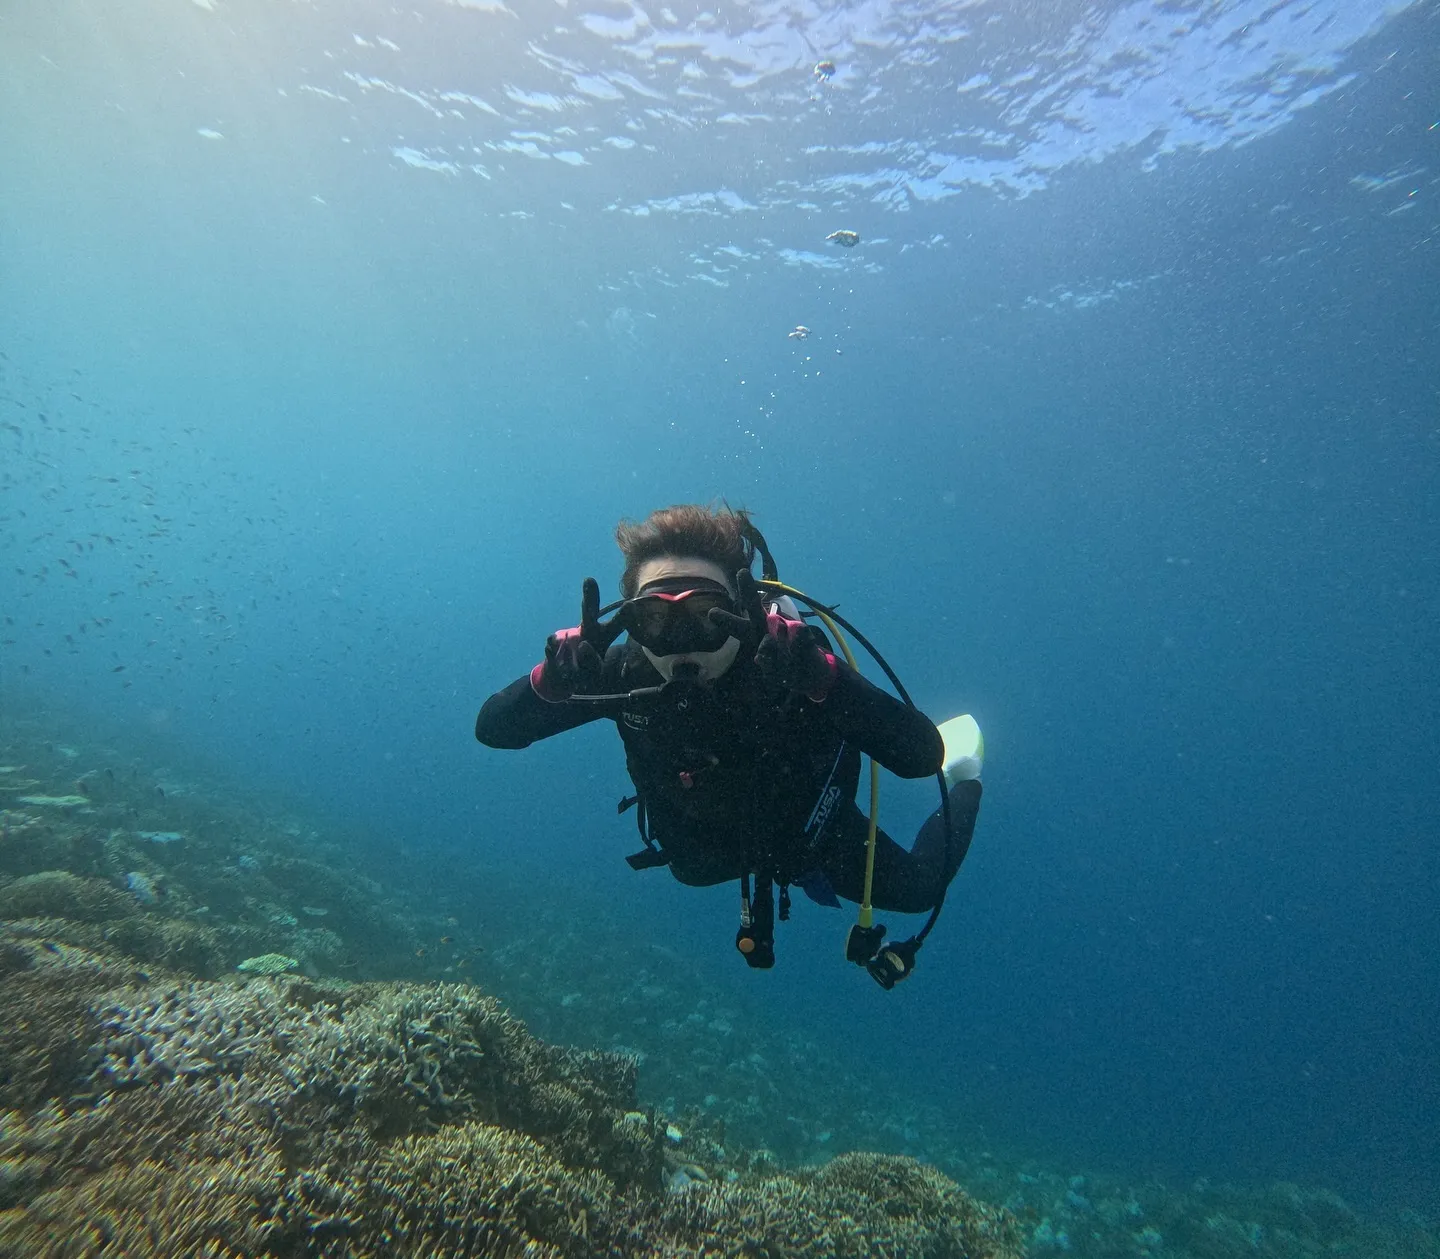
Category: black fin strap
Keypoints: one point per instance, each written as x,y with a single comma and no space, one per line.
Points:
647,859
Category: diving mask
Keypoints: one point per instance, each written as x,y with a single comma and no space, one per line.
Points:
671,617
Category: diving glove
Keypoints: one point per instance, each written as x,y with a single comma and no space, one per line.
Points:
575,657
786,650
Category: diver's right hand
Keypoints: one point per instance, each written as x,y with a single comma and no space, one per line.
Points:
574,657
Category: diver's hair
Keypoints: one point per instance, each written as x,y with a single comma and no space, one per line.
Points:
722,536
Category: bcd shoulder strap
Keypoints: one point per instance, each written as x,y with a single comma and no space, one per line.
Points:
651,855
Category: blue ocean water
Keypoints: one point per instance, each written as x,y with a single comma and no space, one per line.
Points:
337,338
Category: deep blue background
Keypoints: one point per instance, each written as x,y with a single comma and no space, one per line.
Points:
1175,547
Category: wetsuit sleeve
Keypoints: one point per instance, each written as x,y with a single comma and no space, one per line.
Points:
901,738
516,717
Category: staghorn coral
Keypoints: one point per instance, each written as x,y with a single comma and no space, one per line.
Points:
186,1030
474,1189
391,1056
45,991
180,1124
408,1056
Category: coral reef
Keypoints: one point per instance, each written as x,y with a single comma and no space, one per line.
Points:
178,879
279,1116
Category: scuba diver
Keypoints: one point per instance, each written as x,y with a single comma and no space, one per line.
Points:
743,734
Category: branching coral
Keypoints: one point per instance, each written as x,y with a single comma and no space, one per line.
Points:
188,1030
393,1054
45,991
474,1189
157,1210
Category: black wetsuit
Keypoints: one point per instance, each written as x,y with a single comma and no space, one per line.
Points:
742,775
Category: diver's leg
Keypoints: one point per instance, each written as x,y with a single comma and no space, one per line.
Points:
905,882
932,849
897,884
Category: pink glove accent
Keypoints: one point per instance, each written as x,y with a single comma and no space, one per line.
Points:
788,631
782,627
537,682
564,643
819,694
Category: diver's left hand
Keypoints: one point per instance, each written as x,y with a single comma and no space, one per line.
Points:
793,654
788,652
751,627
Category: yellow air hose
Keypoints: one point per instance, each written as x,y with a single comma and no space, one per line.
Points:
866,913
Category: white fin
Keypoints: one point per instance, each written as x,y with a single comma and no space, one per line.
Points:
964,749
